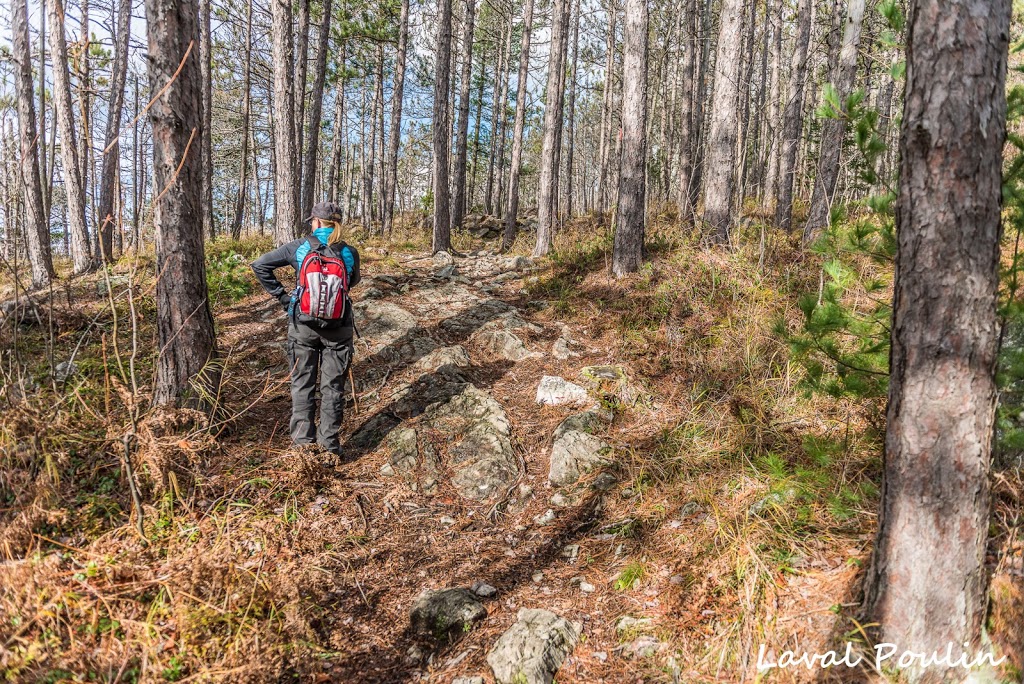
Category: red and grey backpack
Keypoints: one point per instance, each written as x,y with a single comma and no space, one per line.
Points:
322,291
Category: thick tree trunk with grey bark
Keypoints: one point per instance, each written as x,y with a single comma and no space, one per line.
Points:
684,194
793,118
607,116
37,232
546,210
81,254
833,130
926,587
391,170
516,167
286,220
442,238
206,70
462,134
316,105
570,147
771,184
628,250
243,171
185,334
720,174
301,64
112,149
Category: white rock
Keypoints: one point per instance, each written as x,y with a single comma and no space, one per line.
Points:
555,391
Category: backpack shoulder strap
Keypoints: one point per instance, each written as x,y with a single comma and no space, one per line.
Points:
314,242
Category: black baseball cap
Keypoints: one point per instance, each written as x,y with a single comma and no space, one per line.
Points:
325,211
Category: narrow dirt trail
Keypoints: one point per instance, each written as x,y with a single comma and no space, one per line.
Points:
445,478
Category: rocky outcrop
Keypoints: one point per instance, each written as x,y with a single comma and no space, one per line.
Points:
446,614
532,650
575,449
555,391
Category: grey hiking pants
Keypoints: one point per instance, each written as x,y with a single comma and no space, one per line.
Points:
324,355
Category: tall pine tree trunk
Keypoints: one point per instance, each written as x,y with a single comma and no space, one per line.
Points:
793,118
286,220
720,176
628,250
607,116
185,334
462,134
546,211
442,238
81,255
833,130
112,149
391,173
771,184
206,70
516,167
37,232
301,64
926,586
493,133
309,166
243,171
687,120
570,151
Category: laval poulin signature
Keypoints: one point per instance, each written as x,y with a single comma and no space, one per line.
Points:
885,655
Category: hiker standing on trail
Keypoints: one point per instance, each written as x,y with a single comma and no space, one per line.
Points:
320,322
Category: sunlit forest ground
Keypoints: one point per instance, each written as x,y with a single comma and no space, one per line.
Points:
742,511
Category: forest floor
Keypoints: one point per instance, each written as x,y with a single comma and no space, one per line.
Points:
733,510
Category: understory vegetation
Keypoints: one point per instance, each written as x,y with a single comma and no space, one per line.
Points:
748,467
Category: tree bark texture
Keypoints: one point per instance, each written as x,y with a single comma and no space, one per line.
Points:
81,254
927,581
37,230
628,249
185,333
720,174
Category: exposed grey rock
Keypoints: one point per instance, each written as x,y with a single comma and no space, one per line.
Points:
555,391
371,293
418,467
545,518
484,590
446,271
613,380
468,680
64,370
446,614
604,482
483,461
503,343
444,356
628,623
516,263
561,351
443,259
559,500
475,317
532,649
383,322
417,347
587,587
575,450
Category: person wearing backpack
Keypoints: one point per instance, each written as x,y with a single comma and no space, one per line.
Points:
320,323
